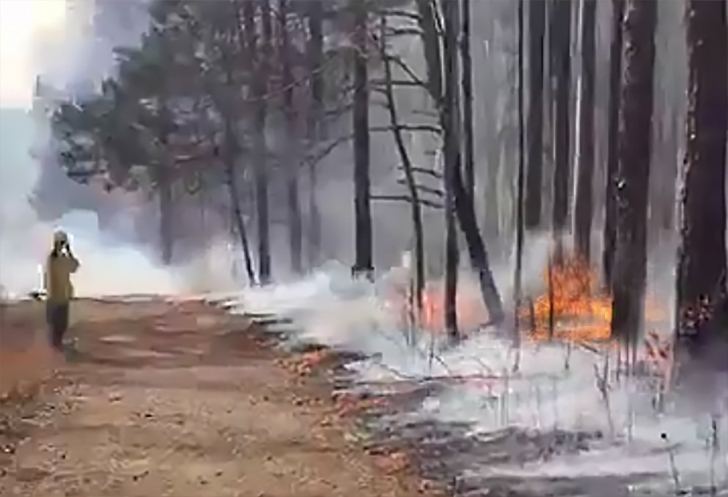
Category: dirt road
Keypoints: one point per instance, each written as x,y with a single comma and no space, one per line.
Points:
174,400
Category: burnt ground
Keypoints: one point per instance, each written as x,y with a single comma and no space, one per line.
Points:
175,399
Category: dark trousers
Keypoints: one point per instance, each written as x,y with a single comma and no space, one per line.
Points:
57,319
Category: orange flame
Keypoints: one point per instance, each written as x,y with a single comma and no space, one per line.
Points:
579,308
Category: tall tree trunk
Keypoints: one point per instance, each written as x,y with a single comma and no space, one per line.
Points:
231,144
583,205
362,195
702,255
635,139
610,194
464,206
562,158
292,197
521,180
260,57
315,124
410,181
534,178
467,75
450,110
229,159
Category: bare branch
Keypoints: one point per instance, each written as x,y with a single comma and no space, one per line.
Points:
404,32
428,128
407,69
428,172
399,82
423,188
405,198
401,13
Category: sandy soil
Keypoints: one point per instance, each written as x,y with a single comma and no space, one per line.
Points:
171,399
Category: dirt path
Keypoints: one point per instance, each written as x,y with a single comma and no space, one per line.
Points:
178,400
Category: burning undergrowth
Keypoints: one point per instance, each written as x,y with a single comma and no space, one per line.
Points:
564,424
575,306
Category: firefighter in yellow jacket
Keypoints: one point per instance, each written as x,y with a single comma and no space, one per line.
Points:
61,263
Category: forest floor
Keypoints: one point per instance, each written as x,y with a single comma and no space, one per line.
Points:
174,399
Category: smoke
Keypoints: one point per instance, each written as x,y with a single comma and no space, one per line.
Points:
66,51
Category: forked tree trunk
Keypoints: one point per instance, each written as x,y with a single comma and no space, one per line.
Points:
464,206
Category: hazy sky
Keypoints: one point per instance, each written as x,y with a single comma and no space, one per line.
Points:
23,24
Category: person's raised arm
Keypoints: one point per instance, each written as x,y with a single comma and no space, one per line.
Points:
74,264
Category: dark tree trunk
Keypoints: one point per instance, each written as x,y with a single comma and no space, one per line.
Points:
451,106
635,139
260,60
464,207
418,281
562,69
231,144
229,159
362,195
702,254
534,178
520,181
610,194
315,125
467,75
583,205
292,197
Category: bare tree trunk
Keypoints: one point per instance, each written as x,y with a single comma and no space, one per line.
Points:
534,178
260,57
451,105
315,125
292,196
635,139
610,195
362,202
410,181
231,145
467,75
562,152
583,205
464,207
230,152
520,207
702,255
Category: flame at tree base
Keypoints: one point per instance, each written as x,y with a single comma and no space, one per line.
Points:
575,307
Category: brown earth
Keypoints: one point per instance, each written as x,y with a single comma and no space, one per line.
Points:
172,399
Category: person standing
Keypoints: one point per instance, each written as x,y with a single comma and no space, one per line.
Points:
59,267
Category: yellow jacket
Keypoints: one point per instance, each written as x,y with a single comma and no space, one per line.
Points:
57,277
